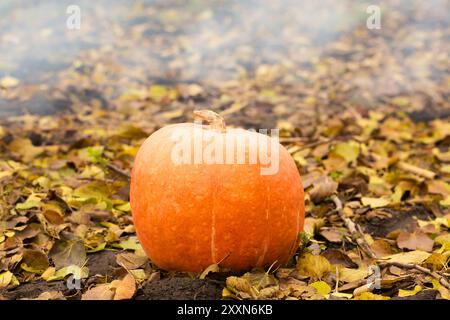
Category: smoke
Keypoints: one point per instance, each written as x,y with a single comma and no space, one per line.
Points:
201,41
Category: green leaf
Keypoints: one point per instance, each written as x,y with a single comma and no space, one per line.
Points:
76,271
129,244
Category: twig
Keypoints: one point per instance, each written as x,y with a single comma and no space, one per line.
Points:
119,171
416,170
410,168
354,229
292,139
442,280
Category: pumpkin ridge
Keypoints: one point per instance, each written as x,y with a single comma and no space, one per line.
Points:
267,235
214,187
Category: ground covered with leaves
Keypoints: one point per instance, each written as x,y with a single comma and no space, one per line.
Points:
364,113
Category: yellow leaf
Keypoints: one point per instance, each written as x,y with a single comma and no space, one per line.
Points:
351,275
445,202
407,293
443,239
437,261
314,266
375,202
415,257
342,295
349,151
322,288
5,278
370,296
312,225
24,148
445,293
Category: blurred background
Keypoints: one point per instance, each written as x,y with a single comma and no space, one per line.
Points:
319,54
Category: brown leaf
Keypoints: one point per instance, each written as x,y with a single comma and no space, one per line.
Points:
66,253
100,292
322,188
381,248
125,288
210,269
51,295
335,256
130,261
332,235
314,266
417,240
34,261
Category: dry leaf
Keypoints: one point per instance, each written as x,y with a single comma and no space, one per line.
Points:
322,188
211,269
100,292
338,257
417,240
375,202
314,266
414,257
125,288
332,235
130,260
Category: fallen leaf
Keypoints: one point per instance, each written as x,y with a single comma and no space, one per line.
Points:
51,295
66,253
408,293
125,288
436,261
25,149
34,261
370,296
332,235
375,202
414,257
211,269
240,286
312,225
381,248
418,240
342,295
130,261
352,275
337,257
322,288
314,266
129,244
76,271
349,150
444,292
6,278
100,292
322,188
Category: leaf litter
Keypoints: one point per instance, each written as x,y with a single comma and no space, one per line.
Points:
370,137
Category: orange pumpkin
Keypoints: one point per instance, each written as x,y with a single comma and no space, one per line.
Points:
191,215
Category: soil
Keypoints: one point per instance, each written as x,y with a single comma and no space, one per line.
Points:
380,225
103,263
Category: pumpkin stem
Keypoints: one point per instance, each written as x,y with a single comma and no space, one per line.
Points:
215,120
